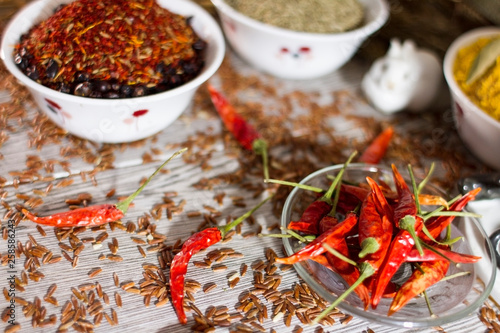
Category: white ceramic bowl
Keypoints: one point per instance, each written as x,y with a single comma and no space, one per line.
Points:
115,120
309,55
479,131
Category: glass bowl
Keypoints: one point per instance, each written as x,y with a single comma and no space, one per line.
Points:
450,300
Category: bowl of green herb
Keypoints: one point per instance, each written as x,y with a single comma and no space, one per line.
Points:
299,39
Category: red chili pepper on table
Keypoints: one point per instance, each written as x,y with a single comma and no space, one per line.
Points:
244,133
195,243
430,272
94,215
178,268
377,148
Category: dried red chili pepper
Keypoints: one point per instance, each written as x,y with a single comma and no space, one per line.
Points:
97,214
195,243
430,272
440,254
374,233
377,148
406,219
244,133
381,203
330,237
435,225
347,271
359,192
178,268
314,213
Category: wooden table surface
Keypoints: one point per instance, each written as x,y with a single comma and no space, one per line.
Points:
41,169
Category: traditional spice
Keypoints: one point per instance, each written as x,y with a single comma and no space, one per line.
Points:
111,49
316,16
484,91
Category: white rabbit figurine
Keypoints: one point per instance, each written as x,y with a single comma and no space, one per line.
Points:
406,78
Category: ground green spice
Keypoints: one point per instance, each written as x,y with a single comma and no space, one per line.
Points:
316,16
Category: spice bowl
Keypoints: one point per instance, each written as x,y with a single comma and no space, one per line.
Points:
479,131
450,299
115,120
293,54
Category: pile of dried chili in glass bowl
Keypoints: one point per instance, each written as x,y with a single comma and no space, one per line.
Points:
111,49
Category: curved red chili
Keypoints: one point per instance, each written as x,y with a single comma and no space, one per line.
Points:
406,202
178,268
400,246
347,271
371,229
245,134
195,243
430,272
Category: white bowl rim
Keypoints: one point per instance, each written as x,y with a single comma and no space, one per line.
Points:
215,34
365,30
449,59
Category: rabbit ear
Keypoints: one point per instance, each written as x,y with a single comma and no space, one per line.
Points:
409,48
395,48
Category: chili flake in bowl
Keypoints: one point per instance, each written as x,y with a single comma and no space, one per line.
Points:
112,49
114,71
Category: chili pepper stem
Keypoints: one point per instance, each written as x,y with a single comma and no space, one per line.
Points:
408,223
415,189
295,235
124,205
259,146
301,186
426,179
456,275
450,213
368,246
327,197
366,270
338,254
225,229
428,302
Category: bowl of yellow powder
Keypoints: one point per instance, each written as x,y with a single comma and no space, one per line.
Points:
296,39
476,104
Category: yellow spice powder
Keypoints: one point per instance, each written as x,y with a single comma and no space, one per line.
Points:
484,92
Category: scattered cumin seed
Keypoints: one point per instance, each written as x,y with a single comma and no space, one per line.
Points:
219,268
209,287
114,257
13,328
118,300
94,272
